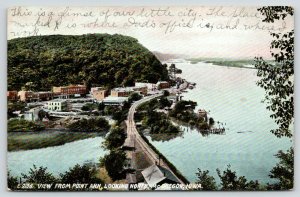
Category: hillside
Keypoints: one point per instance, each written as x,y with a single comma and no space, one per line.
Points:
93,59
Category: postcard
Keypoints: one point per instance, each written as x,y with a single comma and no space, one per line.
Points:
148,98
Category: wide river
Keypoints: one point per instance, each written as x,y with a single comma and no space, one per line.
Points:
232,97
57,159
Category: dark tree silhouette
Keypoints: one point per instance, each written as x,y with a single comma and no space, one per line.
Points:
278,78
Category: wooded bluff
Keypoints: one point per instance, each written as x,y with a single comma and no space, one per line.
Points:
40,62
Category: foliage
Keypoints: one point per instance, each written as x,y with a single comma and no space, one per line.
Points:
184,111
115,138
90,125
134,97
15,106
42,114
164,102
38,176
284,170
12,182
16,125
166,93
278,79
230,181
114,163
84,174
89,107
102,59
207,182
159,123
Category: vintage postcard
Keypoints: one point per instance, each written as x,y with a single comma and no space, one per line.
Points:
197,98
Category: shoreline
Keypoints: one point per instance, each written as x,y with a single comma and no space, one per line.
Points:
18,141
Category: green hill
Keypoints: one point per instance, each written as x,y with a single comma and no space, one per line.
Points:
93,59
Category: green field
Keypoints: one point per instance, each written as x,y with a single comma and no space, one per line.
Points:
32,140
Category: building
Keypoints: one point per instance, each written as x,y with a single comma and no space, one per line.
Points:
162,85
99,93
32,114
43,96
142,90
121,92
12,95
150,86
57,105
157,175
71,90
34,96
202,114
125,92
25,95
111,100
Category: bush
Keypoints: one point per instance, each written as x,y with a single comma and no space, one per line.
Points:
114,163
90,125
16,125
115,138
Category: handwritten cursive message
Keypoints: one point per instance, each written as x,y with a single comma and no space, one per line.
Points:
33,21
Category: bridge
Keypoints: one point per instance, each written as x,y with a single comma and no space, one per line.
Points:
134,139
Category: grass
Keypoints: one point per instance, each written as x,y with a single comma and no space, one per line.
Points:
32,140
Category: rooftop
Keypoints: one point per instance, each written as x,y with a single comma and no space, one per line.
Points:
115,99
126,89
155,174
57,100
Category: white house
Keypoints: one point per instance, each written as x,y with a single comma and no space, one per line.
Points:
57,105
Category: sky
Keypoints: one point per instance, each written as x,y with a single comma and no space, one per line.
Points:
193,31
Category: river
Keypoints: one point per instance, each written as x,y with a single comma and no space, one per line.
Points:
57,159
232,97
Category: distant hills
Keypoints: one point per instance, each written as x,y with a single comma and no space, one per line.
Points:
101,59
164,56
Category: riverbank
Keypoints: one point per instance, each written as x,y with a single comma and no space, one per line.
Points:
224,62
17,141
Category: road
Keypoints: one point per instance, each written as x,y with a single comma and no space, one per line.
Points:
133,134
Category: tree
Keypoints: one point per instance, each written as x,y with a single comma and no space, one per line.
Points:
12,182
38,176
114,163
134,97
115,138
230,181
207,182
166,93
278,78
284,170
80,174
164,102
90,125
42,114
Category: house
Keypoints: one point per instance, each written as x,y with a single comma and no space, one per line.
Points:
121,92
57,105
142,90
26,95
71,90
32,114
125,92
150,86
111,100
162,85
98,93
157,175
34,96
12,95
